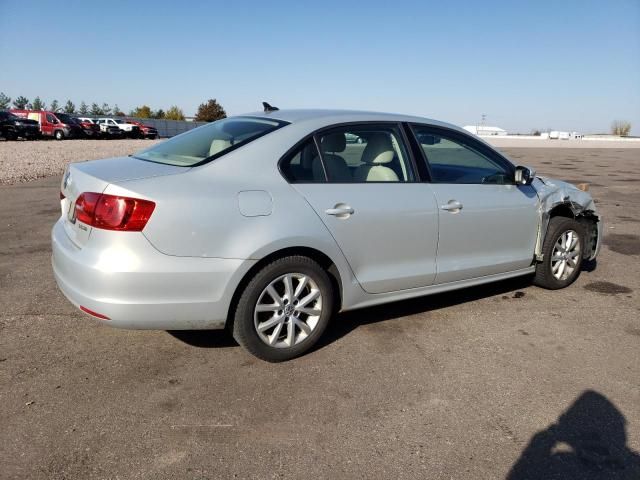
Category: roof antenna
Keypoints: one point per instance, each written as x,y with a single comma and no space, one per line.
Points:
268,108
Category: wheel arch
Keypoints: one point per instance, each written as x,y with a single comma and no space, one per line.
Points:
322,258
587,218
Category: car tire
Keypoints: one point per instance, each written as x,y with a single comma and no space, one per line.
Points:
58,135
562,251
263,321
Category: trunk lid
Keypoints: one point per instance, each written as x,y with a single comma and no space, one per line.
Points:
95,176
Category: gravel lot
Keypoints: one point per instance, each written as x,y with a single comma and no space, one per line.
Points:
500,381
28,160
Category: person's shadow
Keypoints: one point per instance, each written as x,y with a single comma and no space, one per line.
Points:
587,442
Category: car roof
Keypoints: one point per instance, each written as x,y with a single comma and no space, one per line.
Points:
330,117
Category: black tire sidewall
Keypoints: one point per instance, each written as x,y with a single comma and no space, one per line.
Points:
243,323
558,226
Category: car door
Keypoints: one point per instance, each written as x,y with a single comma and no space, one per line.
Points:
487,224
48,126
368,196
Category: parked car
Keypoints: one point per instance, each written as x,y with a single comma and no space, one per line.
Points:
13,127
351,138
52,123
106,130
146,131
270,223
90,129
128,129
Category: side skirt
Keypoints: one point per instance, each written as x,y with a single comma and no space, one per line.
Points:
368,300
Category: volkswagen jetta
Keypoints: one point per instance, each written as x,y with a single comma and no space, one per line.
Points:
269,223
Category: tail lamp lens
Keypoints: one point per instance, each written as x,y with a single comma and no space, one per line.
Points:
112,212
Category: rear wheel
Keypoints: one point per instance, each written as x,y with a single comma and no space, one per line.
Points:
284,309
562,254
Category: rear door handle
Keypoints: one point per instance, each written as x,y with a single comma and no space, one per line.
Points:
452,206
340,210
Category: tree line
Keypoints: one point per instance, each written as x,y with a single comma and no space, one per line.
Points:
208,111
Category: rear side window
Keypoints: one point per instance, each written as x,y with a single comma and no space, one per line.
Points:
369,153
303,165
209,141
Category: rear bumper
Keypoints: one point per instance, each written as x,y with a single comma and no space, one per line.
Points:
125,279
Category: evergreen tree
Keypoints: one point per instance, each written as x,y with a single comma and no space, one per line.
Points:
95,109
69,107
54,106
4,101
83,110
21,102
38,104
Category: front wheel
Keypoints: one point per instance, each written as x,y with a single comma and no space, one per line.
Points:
59,135
562,254
284,309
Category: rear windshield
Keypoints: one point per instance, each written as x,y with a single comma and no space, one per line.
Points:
209,141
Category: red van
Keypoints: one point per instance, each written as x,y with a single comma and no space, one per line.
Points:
56,125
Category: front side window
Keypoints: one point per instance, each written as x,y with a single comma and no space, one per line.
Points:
209,141
50,118
365,154
453,159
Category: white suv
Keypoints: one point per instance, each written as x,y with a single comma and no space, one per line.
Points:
128,129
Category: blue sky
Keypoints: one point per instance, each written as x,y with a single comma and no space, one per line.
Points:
571,65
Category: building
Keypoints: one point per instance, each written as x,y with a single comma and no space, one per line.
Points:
485,130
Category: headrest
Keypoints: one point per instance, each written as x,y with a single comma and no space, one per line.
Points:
218,145
379,149
334,142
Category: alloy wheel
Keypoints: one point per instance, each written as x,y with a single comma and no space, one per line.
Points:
288,310
565,255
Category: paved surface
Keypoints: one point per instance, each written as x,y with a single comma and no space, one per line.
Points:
506,380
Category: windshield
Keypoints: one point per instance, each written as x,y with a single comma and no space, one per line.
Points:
64,118
209,141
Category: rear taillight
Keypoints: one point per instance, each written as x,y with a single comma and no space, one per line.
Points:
111,212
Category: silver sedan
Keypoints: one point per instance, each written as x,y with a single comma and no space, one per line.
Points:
269,223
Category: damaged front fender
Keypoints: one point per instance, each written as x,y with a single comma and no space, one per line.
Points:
558,198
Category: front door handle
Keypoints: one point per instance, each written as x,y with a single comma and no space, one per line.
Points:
452,206
340,210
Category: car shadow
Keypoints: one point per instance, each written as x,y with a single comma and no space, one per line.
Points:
205,338
588,441
346,322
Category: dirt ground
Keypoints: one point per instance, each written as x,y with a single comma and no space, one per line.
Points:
501,381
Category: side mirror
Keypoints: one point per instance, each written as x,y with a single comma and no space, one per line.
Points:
524,175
